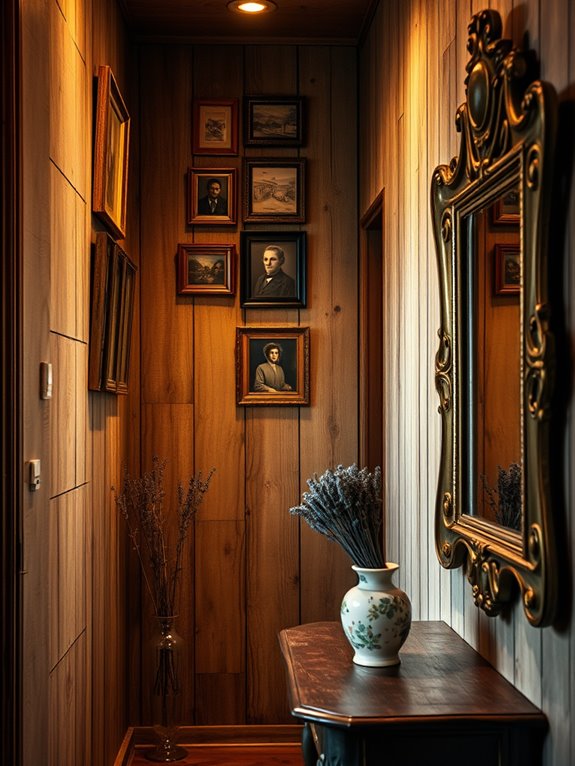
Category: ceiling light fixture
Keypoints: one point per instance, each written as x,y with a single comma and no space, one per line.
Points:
252,6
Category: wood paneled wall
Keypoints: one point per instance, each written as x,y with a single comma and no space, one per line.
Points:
73,586
412,69
253,570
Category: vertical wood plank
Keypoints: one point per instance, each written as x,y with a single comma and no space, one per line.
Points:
272,556
272,447
63,415
167,432
68,581
329,429
167,368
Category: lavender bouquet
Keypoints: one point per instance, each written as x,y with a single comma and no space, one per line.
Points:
345,506
141,503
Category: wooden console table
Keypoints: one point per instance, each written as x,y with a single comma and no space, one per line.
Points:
444,705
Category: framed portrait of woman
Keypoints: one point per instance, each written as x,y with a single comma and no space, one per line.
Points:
272,366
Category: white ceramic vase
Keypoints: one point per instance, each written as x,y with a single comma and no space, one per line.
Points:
376,617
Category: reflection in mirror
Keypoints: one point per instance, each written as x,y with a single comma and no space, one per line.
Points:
495,362
492,461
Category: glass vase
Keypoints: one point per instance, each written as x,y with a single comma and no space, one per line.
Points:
166,693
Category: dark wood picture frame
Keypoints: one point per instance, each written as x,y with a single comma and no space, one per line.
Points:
507,269
215,126
505,209
111,152
206,269
199,179
287,288
256,378
274,190
274,121
111,316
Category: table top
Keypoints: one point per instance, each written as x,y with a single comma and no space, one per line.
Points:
440,678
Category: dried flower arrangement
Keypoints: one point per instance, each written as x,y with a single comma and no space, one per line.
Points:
345,506
505,499
141,503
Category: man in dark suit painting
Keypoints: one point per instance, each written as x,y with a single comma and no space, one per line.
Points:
274,282
213,203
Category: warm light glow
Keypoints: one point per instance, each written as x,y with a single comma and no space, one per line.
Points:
247,6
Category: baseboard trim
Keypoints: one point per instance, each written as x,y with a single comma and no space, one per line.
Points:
137,736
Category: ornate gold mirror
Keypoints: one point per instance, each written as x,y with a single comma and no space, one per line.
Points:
494,365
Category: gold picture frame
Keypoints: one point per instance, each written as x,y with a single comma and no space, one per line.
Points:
111,151
263,379
200,182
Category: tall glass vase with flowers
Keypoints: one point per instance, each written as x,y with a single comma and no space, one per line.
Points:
160,544
345,506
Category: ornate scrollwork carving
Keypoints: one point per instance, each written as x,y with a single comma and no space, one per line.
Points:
448,510
483,575
443,368
506,127
537,339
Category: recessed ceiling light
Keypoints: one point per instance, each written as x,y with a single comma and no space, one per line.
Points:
252,6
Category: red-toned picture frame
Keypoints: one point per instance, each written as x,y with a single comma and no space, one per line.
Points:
215,126
206,269
507,269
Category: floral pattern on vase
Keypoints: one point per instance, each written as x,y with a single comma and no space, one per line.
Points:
376,617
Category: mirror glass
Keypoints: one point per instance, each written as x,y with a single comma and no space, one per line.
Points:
491,456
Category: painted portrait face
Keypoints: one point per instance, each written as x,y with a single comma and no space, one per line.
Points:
272,262
274,355
214,189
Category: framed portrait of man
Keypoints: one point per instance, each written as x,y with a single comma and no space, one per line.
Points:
212,196
272,366
273,269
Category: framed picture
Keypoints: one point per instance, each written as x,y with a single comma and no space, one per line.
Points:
212,196
111,144
215,126
274,191
273,121
272,366
206,269
111,316
273,269
507,269
506,209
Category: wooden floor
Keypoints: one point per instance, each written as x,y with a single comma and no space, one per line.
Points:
232,755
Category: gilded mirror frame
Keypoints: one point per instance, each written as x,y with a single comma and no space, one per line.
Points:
507,127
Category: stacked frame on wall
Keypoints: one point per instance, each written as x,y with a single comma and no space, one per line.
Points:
272,366
274,191
215,126
111,316
274,121
111,146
